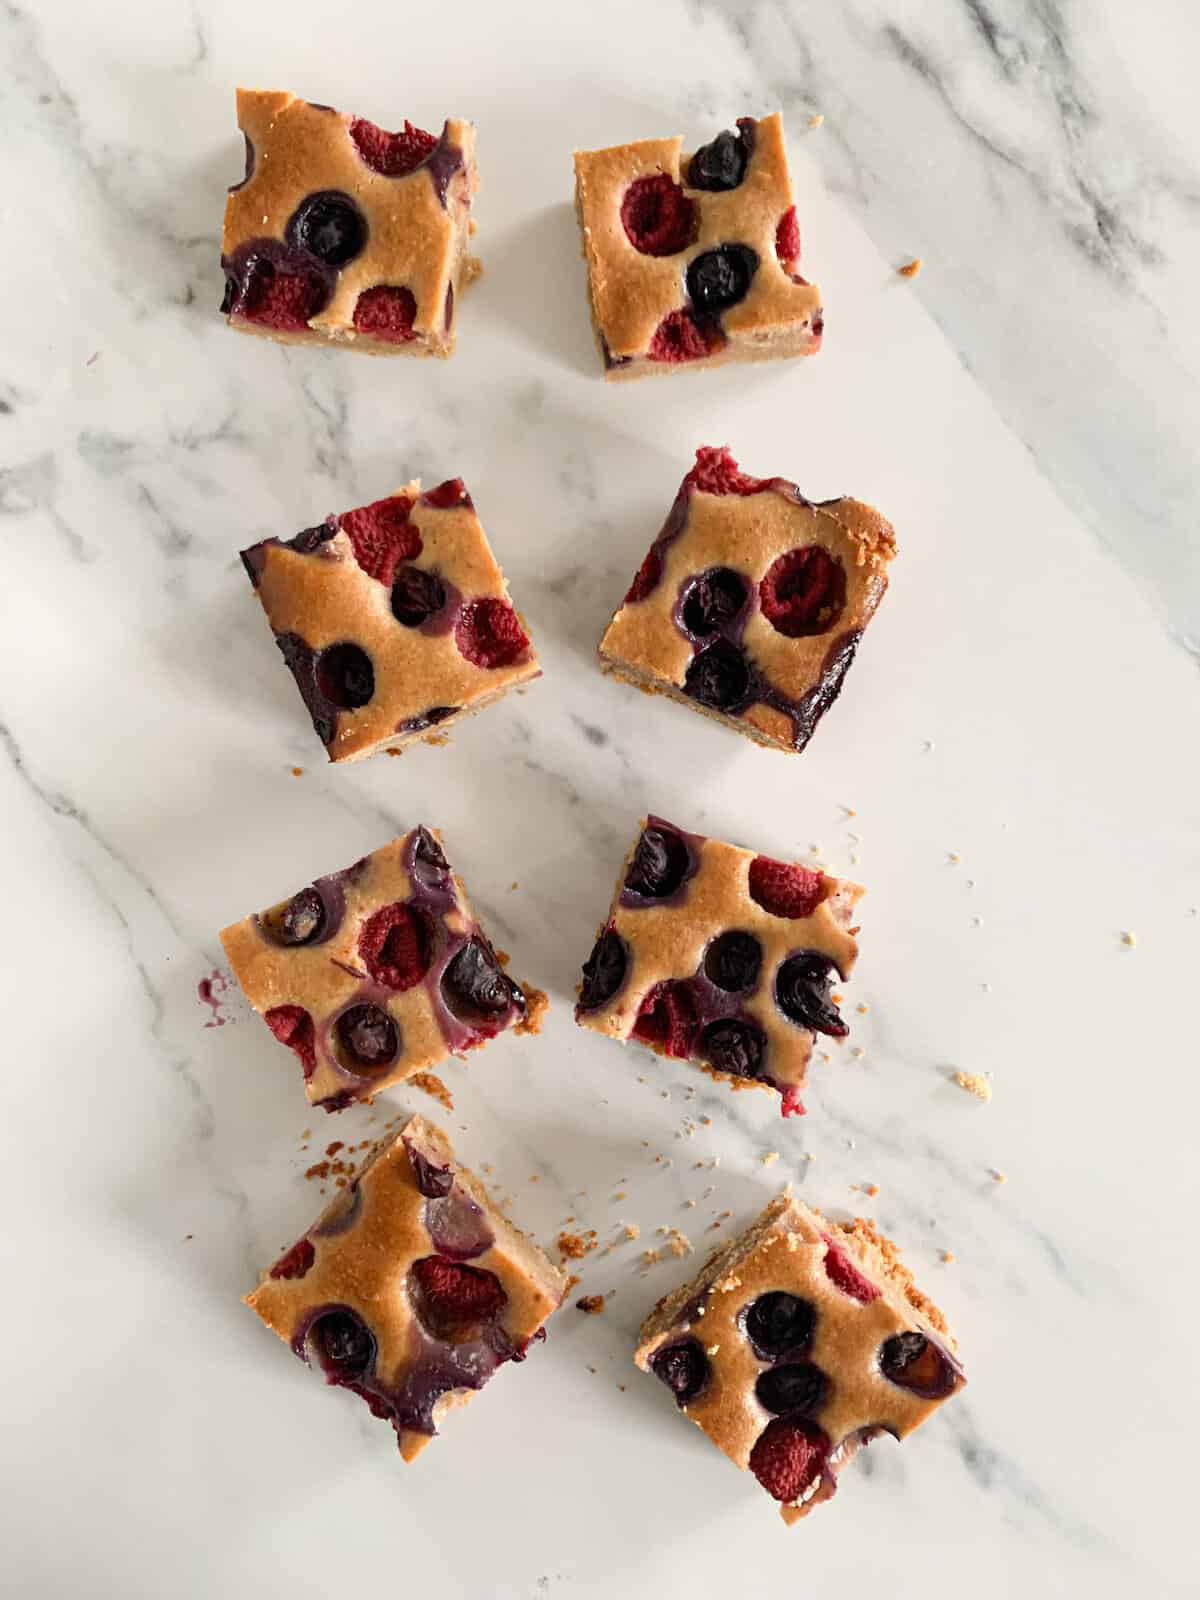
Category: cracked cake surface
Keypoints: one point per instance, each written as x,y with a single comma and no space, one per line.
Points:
798,1343
411,1288
377,972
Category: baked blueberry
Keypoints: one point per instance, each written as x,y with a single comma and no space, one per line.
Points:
733,961
367,1038
474,983
343,1344
345,676
802,988
778,1323
683,1367
734,1045
660,863
915,1363
329,226
298,921
717,279
417,595
604,970
721,164
798,1386
713,600
718,677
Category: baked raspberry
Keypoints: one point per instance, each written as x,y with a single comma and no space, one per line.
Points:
787,238
489,633
328,225
779,1323
790,1458
445,496
391,154
279,296
386,312
647,576
395,946
669,1018
683,1367
679,337
382,536
716,472
841,1270
785,888
803,592
294,1263
452,1300
798,1386
293,1027
802,988
658,218
720,278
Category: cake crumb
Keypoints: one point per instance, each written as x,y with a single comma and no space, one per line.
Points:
431,1084
953,857
1129,939
947,1256
514,884
297,772
770,1157
689,1204
858,1053
872,1189
392,751
817,118
974,1083
680,1244
911,268
632,1231
998,1176
574,1246
650,1258
572,1282
590,1304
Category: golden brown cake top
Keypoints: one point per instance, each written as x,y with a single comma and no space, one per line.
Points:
798,1343
411,1287
716,954
375,972
752,600
392,617
710,236
334,208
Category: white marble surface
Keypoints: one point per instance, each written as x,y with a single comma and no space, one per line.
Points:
1021,411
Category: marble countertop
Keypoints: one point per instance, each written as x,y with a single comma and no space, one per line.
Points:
1011,771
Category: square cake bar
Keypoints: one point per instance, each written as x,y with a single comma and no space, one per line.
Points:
341,233
411,1288
393,619
751,603
714,954
798,1343
693,260
377,972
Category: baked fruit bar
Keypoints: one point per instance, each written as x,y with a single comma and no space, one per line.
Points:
714,954
377,972
694,259
751,603
393,618
411,1288
342,233
797,1344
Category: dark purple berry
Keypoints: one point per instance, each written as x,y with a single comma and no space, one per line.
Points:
660,863
683,1368
604,970
719,278
802,987
417,595
799,1386
299,921
329,226
429,867
722,164
915,1363
433,1181
734,1046
718,677
733,961
310,539
343,1344
777,1323
368,1037
712,600
474,983
345,676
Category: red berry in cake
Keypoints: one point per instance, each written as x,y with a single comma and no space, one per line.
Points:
720,278
789,1457
787,239
679,337
294,1263
392,155
447,495
803,592
293,1027
386,312
395,945
454,1300
278,295
382,536
658,218
716,472
489,633
646,578
784,888
841,1270
668,1018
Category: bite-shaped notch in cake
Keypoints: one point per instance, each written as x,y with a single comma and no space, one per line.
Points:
798,1343
393,619
374,973
751,603
716,955
411,1288
693,260
343,233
